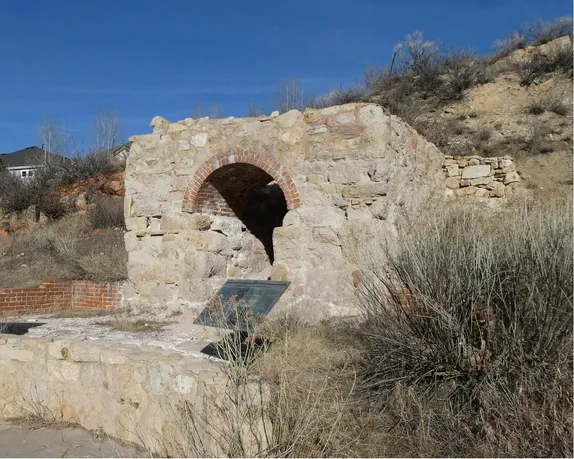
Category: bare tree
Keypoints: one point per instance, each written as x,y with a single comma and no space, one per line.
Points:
290,96
55,138
254,110
106,131
217,110
199,111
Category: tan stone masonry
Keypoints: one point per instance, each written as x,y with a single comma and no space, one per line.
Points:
275,197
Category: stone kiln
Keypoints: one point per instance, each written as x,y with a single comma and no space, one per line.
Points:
280,197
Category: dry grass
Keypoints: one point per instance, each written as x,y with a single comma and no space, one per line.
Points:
283,393
79,313
457,365
34,412
107,212
130,325
66,249
475,361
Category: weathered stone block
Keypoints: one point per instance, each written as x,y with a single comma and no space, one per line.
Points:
453,170
481,181
367,190
453,183
15,353
511,177
471,172
345,173
326,236
497,189
199,140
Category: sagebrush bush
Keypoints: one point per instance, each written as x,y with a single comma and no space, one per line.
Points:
339,97
82,167
536,107
468,329
537,64
64,249
502,48
16,194
106,212
543,32
538,33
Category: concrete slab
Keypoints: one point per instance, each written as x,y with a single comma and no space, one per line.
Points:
19,441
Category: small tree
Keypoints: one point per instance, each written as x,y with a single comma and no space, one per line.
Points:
106,131
56,138
291,95
254,110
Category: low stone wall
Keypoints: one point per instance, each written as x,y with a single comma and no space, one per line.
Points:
474,176
53,295
127,391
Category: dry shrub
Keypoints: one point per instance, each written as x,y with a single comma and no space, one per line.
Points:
15,193
339,97
285,399
82,168
483,135
537,64
558,105
536,107
425,70
502,48
535,142
538,33
65,249
545,31
468,329
106,212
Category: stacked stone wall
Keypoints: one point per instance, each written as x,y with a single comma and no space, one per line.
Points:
478,177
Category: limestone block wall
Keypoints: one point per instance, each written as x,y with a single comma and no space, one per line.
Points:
126,391
52,295
478,177
281,197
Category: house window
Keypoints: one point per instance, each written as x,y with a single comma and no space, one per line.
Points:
30,173
23,173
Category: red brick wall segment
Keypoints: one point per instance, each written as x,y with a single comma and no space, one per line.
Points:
222,193
54,295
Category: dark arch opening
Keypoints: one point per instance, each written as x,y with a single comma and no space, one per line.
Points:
251,194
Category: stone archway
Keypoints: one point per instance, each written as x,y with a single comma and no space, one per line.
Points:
247,186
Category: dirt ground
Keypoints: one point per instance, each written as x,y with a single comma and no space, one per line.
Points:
20,441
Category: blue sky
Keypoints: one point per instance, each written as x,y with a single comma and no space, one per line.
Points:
71,59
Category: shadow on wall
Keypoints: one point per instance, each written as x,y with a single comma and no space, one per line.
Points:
248,193
263,212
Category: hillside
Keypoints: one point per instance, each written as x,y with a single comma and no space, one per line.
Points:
517,101
531,122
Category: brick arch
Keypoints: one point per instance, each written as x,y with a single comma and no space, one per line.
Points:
200,187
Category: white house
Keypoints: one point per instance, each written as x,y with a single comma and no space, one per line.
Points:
24,163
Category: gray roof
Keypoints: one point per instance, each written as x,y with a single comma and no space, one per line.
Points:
31,156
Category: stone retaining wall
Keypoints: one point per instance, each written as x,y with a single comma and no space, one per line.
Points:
52,295
477,177
127,391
